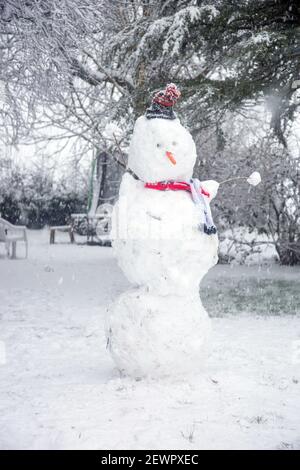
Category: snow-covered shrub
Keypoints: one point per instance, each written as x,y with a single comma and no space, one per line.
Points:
34,199
265,214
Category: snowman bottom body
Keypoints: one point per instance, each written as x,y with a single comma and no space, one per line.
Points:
160,326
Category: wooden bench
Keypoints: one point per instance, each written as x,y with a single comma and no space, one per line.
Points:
11,234
61,228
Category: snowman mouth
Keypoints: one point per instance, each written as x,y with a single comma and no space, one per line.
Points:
171,157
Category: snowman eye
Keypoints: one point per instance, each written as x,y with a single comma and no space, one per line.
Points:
174,143
158,145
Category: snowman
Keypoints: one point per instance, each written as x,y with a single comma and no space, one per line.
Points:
165,241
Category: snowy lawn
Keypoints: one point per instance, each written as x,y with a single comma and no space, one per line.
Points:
59,388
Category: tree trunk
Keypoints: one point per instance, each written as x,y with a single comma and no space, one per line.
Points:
99,179
101,174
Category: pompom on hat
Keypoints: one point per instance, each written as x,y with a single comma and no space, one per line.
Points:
163,102
167,97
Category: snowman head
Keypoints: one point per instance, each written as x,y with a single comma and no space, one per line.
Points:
161,148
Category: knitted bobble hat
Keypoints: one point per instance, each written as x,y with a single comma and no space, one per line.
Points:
163,102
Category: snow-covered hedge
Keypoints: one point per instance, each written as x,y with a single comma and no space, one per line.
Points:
36,201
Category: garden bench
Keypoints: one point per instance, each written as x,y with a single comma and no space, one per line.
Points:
61,228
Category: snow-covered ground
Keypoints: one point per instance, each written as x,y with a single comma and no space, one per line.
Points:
59,388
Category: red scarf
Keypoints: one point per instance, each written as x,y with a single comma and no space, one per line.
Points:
174,186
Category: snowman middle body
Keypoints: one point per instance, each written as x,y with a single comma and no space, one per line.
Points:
159,242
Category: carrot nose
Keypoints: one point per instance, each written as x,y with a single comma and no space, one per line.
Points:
171,157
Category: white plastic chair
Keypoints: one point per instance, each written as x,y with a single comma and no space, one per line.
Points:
11,234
